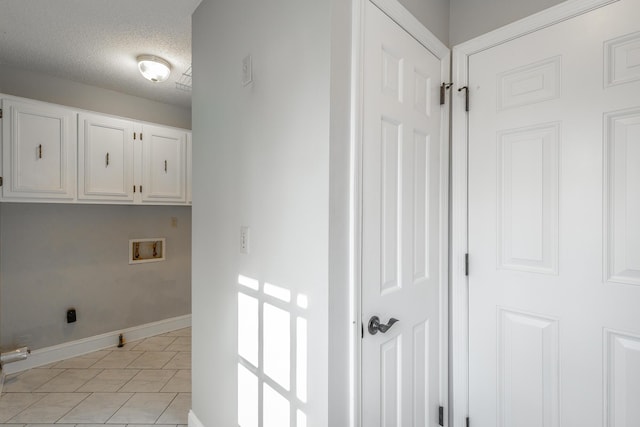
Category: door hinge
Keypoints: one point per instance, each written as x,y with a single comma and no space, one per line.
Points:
466,264
443,90
466,97
441,416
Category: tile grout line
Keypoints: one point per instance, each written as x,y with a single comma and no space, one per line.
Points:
168,406
28,406
64,368
71,409
121,406
49,380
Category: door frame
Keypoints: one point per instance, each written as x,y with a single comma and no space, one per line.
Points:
410,24
459,185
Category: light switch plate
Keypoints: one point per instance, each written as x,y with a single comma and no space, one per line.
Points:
247,70
244,239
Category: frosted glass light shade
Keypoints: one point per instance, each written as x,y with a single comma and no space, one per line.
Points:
154,68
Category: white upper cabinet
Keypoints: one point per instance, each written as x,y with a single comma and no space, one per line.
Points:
164,165
55,154
39,152
105,158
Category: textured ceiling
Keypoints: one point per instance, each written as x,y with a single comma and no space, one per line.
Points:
96,41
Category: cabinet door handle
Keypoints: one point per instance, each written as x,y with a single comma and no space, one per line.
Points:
165,166
40,151
107,160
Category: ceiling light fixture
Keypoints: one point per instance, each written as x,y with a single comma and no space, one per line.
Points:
154,68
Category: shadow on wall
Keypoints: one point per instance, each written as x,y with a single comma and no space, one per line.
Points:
272,355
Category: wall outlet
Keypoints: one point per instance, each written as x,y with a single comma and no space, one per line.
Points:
71,315
244,239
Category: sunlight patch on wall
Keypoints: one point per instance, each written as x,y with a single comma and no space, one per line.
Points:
272,355
277,344
249,282
247,398
301,358
302,419
276,408
303,301
248,323
277,292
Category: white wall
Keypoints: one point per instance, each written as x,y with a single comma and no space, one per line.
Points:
29,84
472,18
261,159
434,14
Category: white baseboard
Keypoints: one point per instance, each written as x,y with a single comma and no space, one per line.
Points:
193,420
67,350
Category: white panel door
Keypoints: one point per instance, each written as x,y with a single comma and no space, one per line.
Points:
164,164
401,213
105,158
554,225
39,151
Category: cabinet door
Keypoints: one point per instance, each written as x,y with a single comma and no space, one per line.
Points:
164,165
105,156
39,151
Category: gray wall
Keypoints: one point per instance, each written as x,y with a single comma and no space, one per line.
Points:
456,21
472,18
29,84
434,14
55,256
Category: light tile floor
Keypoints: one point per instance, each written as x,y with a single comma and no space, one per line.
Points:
147,382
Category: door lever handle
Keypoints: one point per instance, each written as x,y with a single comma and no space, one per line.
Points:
375,325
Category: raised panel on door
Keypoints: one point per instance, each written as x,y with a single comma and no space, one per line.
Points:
528,370
622,196
621,370
554,241
164,165
39,151
105,158
401,161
